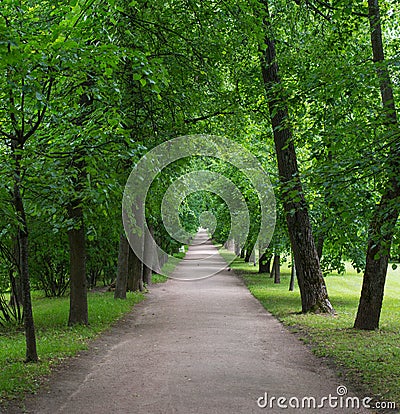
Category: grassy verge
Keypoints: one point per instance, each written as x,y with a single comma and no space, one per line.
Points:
169,267
55,340
370,359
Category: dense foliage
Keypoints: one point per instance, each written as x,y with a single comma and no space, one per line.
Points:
88,86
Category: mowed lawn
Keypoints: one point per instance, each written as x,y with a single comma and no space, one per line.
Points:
369,359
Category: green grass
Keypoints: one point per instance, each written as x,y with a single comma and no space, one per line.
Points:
370,359
169,267
55,341
156,278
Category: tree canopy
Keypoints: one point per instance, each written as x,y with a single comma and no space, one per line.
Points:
88,87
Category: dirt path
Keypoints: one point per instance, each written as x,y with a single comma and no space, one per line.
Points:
192,347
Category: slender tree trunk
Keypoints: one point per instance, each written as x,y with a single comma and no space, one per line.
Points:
320,245
242,253
292,275
314,295
237,248
277,266
387,212
30,336
265,263
122,271
253,257
16,296
78,309
148,258
249,250
271,275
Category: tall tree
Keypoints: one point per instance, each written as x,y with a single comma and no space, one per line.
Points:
78,309
386,214
313,291
27,79
122,270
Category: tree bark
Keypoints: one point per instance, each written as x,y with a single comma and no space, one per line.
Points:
30,336
292,275
277,267
237,248
387,211
16,295
320,245
78,312
265,263
78,309
122,271
147,273
148,256
271,275
249,246
314,296
135,281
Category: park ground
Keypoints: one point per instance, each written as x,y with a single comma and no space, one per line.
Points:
370,359
209,346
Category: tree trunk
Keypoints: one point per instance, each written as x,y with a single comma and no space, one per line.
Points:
78,309
320,245
122,271
384,220
249,246
265,263
16,296
292,275
148,258
147,273
253,257
30,336
242,253
271,275
277,267
314,296
237,248
370,305
134,273
162,259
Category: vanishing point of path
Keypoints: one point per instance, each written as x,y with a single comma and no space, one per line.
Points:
204,346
